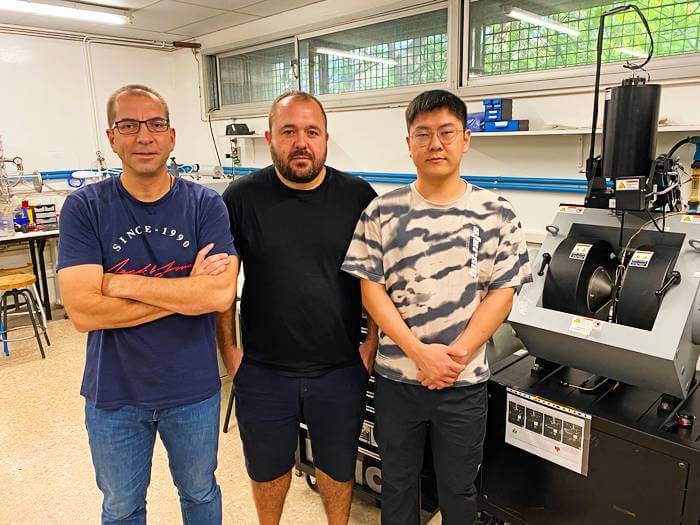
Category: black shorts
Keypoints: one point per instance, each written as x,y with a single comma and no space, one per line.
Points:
270,405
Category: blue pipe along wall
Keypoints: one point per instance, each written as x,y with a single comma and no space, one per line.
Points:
488,182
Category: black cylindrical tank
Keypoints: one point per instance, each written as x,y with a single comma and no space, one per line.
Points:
629,132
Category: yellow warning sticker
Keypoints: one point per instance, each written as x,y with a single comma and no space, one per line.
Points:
580,251
641,259
691,219
584,325
575,210
627,184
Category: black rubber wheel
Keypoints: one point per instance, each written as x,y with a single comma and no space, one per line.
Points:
311,482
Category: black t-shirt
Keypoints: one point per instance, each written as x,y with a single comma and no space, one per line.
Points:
299,312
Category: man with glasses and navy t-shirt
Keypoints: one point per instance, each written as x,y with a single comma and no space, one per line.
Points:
144,260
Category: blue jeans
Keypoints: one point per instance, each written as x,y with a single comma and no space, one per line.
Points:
121,442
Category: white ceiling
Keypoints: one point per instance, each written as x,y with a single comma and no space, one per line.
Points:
169,20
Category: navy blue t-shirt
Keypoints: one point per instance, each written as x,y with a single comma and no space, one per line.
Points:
170,361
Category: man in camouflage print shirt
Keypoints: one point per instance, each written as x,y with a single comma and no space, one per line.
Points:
439,261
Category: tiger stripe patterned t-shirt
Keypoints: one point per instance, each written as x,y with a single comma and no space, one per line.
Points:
438,262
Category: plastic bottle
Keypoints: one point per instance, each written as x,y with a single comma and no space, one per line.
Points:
29,211
7,228
21,219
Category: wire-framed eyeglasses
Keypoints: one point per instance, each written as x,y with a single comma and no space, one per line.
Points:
130,126
423,137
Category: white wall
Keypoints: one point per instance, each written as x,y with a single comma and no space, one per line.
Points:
45,114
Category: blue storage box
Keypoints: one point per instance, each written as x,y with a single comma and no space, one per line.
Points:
507,125
498,109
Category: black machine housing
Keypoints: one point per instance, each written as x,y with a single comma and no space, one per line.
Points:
629,148
643,465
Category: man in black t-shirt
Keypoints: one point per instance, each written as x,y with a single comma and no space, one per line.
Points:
300,314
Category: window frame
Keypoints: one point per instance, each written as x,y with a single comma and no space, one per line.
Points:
255,107
571,79
387,95
358,99
578,79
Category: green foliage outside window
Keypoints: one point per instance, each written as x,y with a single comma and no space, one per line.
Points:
503,45
414,46
413,50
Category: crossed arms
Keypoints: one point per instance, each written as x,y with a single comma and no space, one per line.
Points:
95,300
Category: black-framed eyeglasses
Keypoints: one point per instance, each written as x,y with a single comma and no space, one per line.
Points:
129,126
423,137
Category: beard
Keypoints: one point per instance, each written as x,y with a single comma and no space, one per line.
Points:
300,176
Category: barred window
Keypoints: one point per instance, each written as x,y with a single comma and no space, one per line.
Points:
406,51
501,44
256,76
391,58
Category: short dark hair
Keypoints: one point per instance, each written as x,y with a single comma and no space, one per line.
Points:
436,99
301,95
133,89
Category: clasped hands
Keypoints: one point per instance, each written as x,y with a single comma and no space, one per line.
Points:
439,365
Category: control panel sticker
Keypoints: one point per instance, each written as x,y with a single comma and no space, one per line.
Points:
552,431
580,251
627,185
641,259
575,210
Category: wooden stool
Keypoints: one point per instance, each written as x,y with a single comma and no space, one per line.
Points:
27,268
16,285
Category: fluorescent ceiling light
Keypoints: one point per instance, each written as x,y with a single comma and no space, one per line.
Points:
633,52
532,18
62,11
355,56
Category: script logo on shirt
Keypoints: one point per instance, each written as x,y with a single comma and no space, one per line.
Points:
147,229
150,269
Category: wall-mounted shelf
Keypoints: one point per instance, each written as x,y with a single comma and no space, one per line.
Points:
554,132
580,133
531,133
252,136
233,140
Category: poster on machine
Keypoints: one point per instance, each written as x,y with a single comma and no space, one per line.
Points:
549,430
